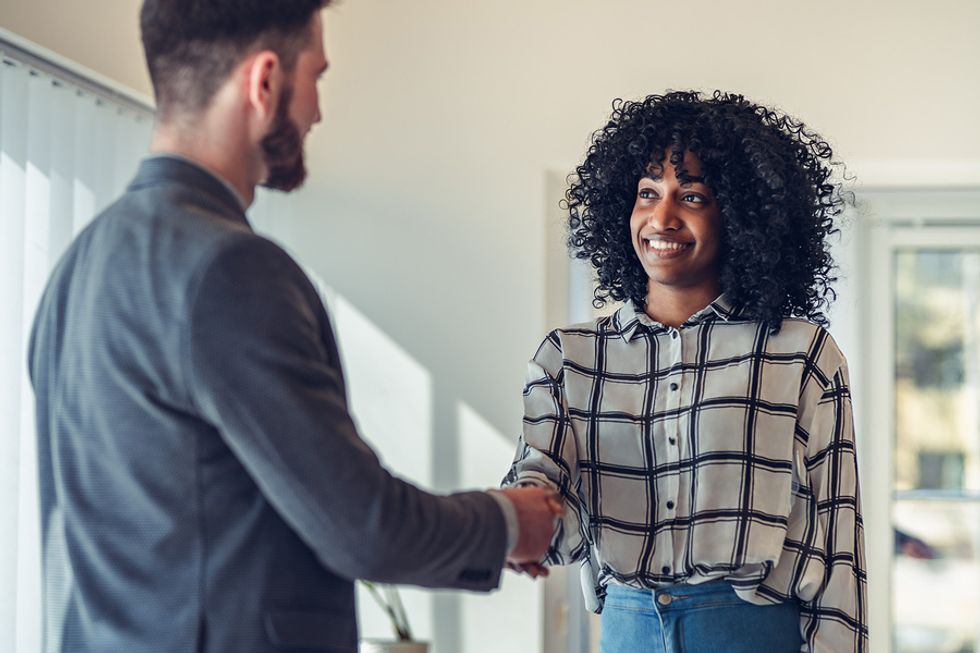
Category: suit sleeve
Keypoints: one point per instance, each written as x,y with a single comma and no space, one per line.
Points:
263,370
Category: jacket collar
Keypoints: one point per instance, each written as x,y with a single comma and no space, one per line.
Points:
167,169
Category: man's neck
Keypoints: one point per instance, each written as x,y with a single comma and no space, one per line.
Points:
218,156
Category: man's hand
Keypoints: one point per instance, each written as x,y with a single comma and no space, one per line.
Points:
532,569
537,509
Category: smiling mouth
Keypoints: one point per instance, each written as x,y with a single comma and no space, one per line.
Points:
665,248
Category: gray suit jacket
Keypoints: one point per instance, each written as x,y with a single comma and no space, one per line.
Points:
203,487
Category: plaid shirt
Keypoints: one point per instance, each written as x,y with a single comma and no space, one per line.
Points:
716,450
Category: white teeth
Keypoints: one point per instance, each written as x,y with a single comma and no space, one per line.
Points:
665,245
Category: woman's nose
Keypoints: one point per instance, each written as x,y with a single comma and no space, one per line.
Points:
664,216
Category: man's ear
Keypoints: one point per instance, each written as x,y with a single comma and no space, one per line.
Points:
264,76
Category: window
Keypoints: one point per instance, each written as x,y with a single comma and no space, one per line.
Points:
922,489
67,147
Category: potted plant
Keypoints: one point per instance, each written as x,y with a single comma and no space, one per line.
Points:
388,599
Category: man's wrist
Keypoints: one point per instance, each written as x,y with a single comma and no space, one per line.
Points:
510,518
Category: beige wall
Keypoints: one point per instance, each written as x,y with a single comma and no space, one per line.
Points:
442,119
428,197
102,36
426,207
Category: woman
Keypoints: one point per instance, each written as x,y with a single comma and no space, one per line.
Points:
701,437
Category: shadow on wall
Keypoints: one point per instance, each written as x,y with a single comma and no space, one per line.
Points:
425,434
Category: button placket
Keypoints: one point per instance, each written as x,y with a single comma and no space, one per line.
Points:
675,391
667,494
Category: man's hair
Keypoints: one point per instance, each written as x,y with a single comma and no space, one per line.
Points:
771,175
192,46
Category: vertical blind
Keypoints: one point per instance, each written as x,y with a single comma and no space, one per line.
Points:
67,148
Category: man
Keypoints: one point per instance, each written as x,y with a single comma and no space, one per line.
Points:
203,487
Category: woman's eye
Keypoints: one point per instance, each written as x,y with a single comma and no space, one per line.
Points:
646,193
691,197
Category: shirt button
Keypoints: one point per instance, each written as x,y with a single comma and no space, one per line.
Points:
665,599
674,334
666,570
670,505
673,387
672,440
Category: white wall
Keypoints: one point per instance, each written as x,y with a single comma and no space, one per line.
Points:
442,120
427,201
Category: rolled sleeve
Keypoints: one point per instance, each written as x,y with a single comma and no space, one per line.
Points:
834,603
547,452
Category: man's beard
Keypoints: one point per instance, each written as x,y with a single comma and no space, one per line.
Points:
282,150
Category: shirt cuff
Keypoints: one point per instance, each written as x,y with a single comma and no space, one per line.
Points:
510,518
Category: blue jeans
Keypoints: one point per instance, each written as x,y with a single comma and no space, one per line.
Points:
705,618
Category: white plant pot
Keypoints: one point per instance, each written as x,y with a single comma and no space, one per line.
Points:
388,646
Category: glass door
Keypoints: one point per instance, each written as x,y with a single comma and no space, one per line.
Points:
936,468
921,467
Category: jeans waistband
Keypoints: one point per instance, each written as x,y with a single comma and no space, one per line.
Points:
673,597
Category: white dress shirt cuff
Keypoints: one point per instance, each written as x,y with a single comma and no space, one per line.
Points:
510,517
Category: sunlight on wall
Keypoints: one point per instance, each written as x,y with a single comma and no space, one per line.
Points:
391,400
390,394
515,608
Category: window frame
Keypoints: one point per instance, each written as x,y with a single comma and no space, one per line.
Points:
888,220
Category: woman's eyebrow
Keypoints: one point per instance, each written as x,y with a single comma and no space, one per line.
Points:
688,181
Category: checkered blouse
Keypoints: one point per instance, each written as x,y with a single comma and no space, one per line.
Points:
716,450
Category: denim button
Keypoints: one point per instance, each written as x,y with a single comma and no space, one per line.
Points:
665,599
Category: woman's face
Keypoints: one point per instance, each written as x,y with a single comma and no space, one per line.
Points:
676,227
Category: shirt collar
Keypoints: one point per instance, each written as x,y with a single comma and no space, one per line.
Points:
631,319
724,308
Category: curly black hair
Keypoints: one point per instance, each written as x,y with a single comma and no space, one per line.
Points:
771,177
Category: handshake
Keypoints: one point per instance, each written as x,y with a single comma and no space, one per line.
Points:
537,510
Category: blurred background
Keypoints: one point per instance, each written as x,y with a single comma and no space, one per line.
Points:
431,220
